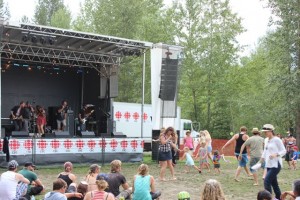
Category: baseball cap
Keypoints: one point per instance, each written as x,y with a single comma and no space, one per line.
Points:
13,164
102,176
183,195
267,127
27,164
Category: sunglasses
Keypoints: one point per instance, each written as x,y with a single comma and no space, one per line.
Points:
267,129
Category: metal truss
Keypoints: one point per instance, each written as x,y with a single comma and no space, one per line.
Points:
44,55
120,42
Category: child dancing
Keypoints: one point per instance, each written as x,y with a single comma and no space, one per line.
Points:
189,160
216,161
203,154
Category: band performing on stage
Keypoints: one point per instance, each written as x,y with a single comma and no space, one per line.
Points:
35,119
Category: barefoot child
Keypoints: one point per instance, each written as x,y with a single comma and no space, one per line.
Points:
189,160
203,154
216,161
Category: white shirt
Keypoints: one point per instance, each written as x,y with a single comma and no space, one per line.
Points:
273,146
297,198
8,185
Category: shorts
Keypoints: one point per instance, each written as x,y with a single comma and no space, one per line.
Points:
209,149
217,166
59,122
288,157
164,156
203,161
253,162
243,162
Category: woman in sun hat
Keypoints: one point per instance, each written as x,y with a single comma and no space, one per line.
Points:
273,151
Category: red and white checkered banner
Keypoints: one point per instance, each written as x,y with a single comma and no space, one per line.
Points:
74,145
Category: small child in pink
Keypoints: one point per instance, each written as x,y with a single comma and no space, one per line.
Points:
188,141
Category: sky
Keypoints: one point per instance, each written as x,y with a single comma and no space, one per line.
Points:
255,17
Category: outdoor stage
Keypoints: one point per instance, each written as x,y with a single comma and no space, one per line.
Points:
77,150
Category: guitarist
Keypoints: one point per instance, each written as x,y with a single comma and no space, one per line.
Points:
16,116
83,116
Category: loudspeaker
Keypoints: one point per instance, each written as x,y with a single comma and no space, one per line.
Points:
62,134
70,122
106,135
20,134
155,136
110,85
169,76
119,135
52,115
50,135
87,134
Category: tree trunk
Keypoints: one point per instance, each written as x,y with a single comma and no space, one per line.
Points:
195,106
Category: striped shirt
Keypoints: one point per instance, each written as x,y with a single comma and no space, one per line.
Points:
98,195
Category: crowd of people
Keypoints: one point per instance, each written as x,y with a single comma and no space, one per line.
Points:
266,153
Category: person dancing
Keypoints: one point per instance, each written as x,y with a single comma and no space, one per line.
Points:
208,141
272,155
41,120
240,138
165,154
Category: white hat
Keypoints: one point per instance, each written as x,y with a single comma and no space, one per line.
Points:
267,127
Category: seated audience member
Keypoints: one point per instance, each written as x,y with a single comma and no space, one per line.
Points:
295,194
91,177
67,175
183,195
264,195
115,179
99,194
35,187
212,191
82,188
58,193
12,184
59,189
144,185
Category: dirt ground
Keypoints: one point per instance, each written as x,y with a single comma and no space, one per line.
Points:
191,182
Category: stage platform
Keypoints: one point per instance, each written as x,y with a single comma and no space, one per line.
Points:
77,150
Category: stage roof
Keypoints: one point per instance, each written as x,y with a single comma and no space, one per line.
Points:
30,44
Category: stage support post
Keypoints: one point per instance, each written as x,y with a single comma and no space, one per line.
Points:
143,95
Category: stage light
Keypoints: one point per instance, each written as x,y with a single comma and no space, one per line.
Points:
34,39
25,38
43,40
51,41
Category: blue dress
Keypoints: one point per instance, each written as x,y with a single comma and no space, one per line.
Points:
142,188
189,160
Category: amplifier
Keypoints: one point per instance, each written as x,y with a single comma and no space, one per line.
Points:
62,134
87,134
20,134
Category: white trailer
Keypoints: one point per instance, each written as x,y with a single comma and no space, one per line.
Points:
128,121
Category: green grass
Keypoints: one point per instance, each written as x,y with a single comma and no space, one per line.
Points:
190,182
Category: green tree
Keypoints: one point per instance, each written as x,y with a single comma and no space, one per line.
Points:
4,10
141,20
207,29
286,55
61,18
25,19
45,9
